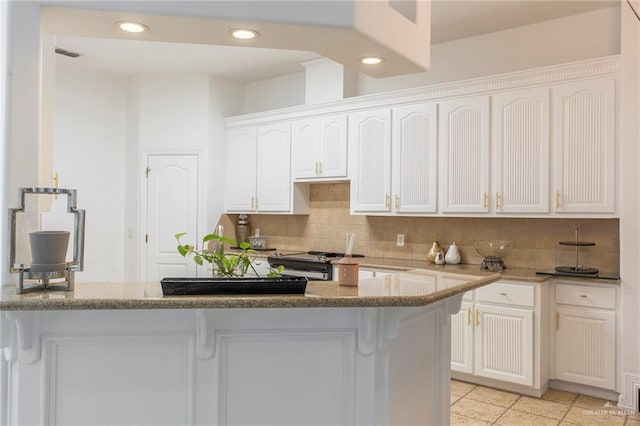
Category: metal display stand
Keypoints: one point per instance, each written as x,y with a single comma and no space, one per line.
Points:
55,280
577,268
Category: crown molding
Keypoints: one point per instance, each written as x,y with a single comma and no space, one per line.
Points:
536,77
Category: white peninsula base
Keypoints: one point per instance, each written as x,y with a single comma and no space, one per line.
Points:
277,366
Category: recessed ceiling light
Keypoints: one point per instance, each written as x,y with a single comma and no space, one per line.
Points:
371,60
132,27
243,33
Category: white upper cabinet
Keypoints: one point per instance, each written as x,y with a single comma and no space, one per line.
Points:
241,171
370,160
273,179
319,147
464,155
258,168
415,158
520,135
584,146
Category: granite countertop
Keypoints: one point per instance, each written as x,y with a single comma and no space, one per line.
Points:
510,274
403,289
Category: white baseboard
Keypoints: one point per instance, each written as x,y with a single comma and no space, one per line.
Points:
499,384
607,394
629,396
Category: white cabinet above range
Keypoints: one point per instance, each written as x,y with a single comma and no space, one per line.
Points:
319,148
393,154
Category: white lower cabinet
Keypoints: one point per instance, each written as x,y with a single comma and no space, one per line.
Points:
496,335
585,334
504,343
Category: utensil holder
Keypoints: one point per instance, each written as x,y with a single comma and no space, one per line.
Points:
348,270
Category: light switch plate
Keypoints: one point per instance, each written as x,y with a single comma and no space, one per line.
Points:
400,240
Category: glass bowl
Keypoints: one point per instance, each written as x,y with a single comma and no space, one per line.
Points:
493,249
257,242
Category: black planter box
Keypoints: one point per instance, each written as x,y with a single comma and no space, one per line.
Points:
255,285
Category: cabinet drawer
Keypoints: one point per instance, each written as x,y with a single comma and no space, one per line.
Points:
578,295
511,294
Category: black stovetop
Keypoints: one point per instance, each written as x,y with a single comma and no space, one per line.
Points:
599,275
312,256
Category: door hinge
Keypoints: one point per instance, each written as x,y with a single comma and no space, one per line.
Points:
146,238
146,172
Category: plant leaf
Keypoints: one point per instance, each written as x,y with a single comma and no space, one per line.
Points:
198,259
180,235
209,237
183,250
228,241
244,245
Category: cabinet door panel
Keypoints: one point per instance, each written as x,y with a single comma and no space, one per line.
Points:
585,346
462,327
415,130
333,156
241,173
464,144
521,151
370,142
584,142
273,180
504,344
305,140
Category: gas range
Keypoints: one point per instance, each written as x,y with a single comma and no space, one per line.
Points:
315,265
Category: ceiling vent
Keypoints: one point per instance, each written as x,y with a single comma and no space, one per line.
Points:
67,53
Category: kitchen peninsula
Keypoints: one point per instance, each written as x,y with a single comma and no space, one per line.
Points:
121,353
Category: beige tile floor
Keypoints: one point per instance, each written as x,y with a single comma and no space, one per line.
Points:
478,405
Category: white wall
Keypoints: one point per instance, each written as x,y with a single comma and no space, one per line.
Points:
630,204
275,93
89,155
573,38
21,138
226,98
4,145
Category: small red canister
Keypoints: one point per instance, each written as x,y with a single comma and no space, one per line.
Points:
348,271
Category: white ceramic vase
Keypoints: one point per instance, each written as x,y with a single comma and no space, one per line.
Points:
453,255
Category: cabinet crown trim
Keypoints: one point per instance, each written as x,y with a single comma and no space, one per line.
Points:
571,71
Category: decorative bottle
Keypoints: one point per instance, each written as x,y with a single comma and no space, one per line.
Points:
243,229
453,255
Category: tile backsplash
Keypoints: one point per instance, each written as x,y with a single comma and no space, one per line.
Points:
535,240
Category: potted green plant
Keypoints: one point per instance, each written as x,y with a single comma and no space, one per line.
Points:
225,265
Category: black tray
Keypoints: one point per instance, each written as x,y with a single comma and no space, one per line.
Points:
255,285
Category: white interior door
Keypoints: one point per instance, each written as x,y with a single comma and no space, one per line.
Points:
172,204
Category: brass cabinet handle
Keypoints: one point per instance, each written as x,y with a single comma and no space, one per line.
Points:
557,199
252,203
486,201
55,180
498,204
503,294
320,167
557,320
584,296
477,318
469,313
387,200
397,201
317,168
256,203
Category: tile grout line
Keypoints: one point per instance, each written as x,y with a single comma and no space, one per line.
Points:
508,408
575,398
